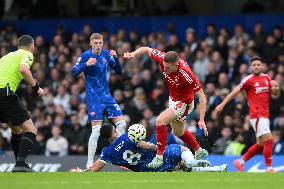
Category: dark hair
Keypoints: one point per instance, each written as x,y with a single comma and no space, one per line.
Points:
171,57
25,41
256,58
106,130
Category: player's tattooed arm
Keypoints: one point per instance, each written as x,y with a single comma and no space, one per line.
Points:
147,146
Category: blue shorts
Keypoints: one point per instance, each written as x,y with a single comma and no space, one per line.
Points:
96,110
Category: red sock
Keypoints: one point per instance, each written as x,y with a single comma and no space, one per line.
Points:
189,140
162,136
267,152
252,151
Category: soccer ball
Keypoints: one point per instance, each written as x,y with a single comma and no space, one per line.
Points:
136,133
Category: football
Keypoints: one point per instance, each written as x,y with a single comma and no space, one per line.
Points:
136,133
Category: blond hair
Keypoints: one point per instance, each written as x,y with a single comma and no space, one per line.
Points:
96,36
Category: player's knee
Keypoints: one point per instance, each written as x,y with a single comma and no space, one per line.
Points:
178,132
96,129
120,127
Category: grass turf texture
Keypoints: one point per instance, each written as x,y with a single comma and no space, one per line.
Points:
126,180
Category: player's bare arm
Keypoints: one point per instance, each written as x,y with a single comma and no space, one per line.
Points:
27,75
98,166
274,88
228,98
140,51
147,146
202,102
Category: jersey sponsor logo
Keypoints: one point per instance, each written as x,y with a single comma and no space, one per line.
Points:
119,146
158,53
261,90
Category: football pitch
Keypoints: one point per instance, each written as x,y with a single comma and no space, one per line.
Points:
125,180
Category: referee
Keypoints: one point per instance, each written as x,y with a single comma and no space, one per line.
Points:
14,67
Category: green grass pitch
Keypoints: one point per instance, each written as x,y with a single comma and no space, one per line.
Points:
128,180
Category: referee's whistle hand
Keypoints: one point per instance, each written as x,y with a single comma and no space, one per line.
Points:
41,92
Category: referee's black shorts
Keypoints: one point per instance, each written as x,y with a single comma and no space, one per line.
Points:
12,109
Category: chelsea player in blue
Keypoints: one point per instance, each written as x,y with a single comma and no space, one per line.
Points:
94,64
131,152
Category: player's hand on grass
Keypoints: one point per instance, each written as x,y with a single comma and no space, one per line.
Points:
77,170
112,53
128,55
91,61
41,92
202,125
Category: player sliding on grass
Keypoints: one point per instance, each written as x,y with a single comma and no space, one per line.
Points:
182,85
258,87
131,152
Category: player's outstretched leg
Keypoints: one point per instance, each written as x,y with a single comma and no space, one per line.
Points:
267,153
188,139
92,145
252,151
221,168
25,147
189,160
162,135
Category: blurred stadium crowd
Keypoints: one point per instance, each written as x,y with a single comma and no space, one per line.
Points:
220,61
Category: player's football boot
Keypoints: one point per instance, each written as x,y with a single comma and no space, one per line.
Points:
223,168
201,154
197,163
238,165
271,171
155,163
24,168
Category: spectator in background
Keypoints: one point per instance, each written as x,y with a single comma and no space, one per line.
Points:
278,147
57,145
223,142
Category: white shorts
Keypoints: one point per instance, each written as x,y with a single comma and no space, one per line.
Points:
261,126
180,109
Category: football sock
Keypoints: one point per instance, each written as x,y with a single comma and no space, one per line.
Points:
25,147
15,141
252,151
92,145
190,140
267,152
206,169
162,136
187,156
120,127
